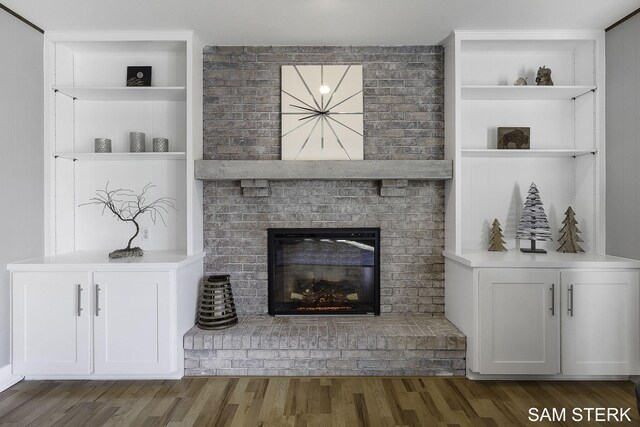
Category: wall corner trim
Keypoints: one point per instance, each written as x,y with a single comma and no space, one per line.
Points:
620,21
21,18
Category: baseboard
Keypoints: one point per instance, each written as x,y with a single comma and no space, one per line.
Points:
474,376
7,378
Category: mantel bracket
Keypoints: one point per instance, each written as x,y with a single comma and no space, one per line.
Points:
255,187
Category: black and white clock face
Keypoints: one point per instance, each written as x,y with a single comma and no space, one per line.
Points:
322,112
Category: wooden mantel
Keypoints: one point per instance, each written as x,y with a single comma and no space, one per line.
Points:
282,170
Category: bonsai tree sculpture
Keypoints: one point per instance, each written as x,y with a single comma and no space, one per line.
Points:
569,239
496,241
533,223
127,206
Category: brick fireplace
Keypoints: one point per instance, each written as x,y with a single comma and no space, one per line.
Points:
403,120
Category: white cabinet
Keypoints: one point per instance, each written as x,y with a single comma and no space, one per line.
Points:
519,322
600,323
77,316
524,312
132,327
52,323
558,315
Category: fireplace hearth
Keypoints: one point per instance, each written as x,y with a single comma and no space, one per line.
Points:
324,271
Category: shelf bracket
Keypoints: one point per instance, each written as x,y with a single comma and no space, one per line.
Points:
592,152
56,156
62,93
582,94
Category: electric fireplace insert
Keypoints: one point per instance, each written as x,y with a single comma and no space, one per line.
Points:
324,271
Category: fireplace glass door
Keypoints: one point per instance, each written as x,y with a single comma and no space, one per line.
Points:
324,271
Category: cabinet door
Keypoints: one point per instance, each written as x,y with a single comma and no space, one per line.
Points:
599,323
132,323
51,323
519,322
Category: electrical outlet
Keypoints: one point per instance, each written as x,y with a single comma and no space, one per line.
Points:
145,233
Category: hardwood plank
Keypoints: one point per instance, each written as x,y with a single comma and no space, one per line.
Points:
285,401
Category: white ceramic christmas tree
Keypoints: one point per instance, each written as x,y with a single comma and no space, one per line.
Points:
533,224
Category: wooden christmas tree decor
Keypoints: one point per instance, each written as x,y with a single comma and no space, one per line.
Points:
533,223
496,242
569,234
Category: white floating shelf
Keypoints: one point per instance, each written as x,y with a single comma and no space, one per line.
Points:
124,93
176,155
525,153
516,93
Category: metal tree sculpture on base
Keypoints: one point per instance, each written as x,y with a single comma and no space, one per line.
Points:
496,242
127,206
569,238
533,223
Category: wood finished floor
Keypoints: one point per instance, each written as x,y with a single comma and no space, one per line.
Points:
302,402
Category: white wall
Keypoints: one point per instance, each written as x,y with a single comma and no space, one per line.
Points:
21,155
623,139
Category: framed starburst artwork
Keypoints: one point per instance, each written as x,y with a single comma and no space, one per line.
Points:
322,112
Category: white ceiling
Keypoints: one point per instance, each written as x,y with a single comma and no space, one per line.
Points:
320,22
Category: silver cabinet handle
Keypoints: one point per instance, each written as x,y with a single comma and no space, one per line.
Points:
553,299
571,300
79,289
97,300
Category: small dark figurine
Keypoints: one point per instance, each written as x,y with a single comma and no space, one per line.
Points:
517,138
543,78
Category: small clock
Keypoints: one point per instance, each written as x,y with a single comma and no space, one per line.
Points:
322,112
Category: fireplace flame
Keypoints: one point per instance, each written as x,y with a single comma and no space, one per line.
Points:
332,308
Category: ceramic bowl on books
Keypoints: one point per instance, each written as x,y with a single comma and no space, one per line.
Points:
102,145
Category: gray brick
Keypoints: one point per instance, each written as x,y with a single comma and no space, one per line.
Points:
192,363
279,363
215,363
364,364
247,363
198,342
231,354
262,354
325,354
293,354
188,342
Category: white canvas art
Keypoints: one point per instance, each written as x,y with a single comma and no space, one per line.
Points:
322,112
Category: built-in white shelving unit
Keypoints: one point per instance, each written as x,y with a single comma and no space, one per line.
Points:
85,76
565,158
553,314
88,99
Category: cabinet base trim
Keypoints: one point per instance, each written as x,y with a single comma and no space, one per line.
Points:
558,377
170,376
